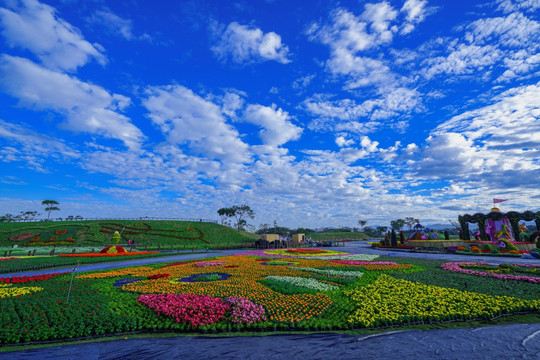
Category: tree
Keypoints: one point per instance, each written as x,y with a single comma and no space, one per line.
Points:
28,215
362,223
50,206
397,224
7,218
393,238
239,213
381,229
410,221
225,213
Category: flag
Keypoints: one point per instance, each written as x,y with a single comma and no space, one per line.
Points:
496,201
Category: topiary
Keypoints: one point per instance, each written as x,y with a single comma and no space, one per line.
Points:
475,249
504,244
487,247
495,251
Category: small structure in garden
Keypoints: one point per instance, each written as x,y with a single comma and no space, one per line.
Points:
499,228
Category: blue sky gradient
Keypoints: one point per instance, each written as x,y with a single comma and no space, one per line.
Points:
313,113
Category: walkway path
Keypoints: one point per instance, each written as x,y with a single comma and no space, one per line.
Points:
517,341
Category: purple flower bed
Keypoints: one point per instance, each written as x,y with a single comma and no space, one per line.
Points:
122,282
202,277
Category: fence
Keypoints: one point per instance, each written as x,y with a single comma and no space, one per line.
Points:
114,219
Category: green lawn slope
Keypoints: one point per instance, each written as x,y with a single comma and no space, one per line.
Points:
145,233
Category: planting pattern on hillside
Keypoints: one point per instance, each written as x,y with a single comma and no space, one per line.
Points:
189,233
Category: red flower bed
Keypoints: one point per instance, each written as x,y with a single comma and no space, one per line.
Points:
113,254
113,249
26,278
306,251
197,310
158,276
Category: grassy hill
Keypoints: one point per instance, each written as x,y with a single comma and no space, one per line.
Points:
145,233
337,236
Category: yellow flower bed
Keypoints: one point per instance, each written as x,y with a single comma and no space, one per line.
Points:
6,290
392,301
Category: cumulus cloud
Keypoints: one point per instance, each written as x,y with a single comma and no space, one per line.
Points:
244,44
88,108
501,138
34,26
276,124
185,118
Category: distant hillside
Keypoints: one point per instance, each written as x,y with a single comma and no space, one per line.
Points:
96,232
337,236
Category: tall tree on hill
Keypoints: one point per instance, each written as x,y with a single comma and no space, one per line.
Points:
50,206
237,212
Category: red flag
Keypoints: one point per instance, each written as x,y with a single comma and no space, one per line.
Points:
496,201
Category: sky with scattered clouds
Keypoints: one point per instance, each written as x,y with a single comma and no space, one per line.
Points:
313,113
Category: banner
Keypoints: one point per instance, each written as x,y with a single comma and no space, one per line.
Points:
496,201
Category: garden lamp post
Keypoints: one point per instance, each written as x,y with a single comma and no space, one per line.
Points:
71,281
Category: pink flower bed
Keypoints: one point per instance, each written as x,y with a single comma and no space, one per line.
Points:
209,263
8,258
352,262
197,310
244,311
456,267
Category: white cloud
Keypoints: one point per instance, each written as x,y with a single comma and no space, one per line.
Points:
496,145
88,108
105,18
463,59
32,148
245,44
515,5
186,118
34,26
513,30
416,12
338,115
342,142
276,124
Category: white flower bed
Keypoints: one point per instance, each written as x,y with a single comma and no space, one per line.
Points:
303,282
331,272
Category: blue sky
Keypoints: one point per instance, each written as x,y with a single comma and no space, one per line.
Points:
313,113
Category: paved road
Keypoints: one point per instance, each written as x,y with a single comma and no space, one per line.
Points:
517,341
356,247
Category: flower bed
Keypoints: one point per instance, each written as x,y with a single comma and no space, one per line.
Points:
110,254
316,294
209,263
461,267
32,278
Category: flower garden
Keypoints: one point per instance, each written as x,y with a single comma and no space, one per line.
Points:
264,290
